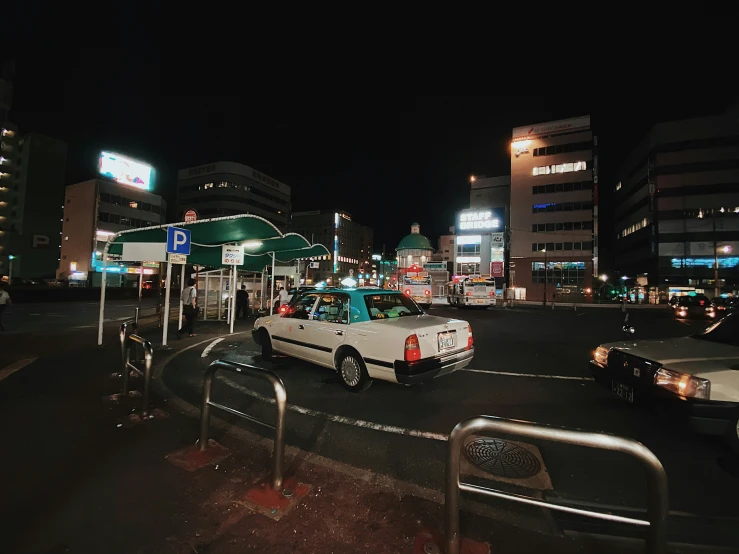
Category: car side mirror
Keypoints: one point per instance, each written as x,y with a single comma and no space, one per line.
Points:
628,330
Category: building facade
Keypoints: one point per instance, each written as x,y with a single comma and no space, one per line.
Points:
227,188
9,163
414,250
553,250
349,242
677,206
93,211
38,212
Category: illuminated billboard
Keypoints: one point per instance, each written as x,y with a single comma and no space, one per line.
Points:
481,220
125,171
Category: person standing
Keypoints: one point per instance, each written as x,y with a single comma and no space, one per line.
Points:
280,299
189,308
4,303
242,303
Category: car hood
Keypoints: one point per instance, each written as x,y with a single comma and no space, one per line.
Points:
685,354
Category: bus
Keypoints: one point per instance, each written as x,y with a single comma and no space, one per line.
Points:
472,291
418,287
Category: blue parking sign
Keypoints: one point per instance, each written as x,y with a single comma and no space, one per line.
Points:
178,241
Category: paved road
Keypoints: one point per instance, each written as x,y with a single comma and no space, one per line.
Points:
529,364
61,316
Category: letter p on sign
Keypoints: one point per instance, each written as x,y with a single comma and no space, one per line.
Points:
178,241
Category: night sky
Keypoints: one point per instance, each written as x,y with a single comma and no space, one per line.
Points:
386,159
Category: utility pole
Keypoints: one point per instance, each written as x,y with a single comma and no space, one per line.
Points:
717,289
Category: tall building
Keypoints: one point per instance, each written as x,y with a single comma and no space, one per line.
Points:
491,192
93,211
677,206
9,162
227,188
38,212
7,71
349,242
553,207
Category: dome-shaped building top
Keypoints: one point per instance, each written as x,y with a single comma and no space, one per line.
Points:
414,249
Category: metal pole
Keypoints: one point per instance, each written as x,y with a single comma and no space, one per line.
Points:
126,362
261,300
545,276
279,447
167,292
205,408
102,294
271,304
141,284
205,309
716,287
220,294
136,317
182,288
232,300
149,358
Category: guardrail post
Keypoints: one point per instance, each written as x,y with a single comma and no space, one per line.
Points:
148,360
136,317
278,455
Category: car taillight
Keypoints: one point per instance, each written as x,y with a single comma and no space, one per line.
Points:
492,294
412,349
470,340
408,292
427,292
469,293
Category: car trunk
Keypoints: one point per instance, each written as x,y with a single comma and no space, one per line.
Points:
427,328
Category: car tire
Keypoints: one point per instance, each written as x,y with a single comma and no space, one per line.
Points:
732,436
353,372
266,343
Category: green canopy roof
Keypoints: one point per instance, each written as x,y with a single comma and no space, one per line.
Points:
207,236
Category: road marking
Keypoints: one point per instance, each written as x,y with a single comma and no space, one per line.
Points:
208,348
7,371
533,375
341,419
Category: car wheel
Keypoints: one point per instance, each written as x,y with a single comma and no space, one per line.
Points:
353,372
266,344
732,436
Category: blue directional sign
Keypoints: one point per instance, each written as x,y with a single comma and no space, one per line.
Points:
178,241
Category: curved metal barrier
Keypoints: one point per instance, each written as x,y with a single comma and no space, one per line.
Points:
657,501
280,403
128,343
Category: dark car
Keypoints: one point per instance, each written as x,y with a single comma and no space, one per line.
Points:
725,305
694,306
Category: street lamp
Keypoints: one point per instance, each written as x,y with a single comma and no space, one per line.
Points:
473,178
545,276
10,269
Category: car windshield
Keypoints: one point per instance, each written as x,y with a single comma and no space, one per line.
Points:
385,306
725,331
697,300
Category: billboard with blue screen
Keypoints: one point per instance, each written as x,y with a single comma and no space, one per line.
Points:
125,171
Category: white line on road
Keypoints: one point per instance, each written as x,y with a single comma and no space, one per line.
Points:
341,419
533,375
210,347
7,371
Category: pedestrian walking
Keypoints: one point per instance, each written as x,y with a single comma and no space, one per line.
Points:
189,308
5,301
242,303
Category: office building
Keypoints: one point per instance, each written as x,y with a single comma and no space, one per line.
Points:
491,192
37,212
93,211
227,188
349,242
446,250
677,207
552,229
9,162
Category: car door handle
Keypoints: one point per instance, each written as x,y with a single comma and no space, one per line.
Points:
301,326
337,332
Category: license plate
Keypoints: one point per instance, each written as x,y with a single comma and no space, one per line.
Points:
480,301
622,391
447,340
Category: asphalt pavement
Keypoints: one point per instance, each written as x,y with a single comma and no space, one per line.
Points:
529,364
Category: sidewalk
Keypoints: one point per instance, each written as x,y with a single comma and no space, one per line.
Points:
84,474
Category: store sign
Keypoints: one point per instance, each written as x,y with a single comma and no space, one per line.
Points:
561,126
232,255
497,239
191,216
435,266
178,259
476,221
496,269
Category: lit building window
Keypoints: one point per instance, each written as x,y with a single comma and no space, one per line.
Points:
560,168
634,228
618,186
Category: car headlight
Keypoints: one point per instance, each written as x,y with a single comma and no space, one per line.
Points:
683,384
601,355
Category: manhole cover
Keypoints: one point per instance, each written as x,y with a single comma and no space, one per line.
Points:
502,458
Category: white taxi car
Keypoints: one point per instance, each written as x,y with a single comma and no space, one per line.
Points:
367,334
696,378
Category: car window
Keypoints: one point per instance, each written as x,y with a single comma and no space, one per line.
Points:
301,307
725,331
385,306
333,308
694,301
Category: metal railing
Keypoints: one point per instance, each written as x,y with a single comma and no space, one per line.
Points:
280,403
657,499
129,343
127,329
